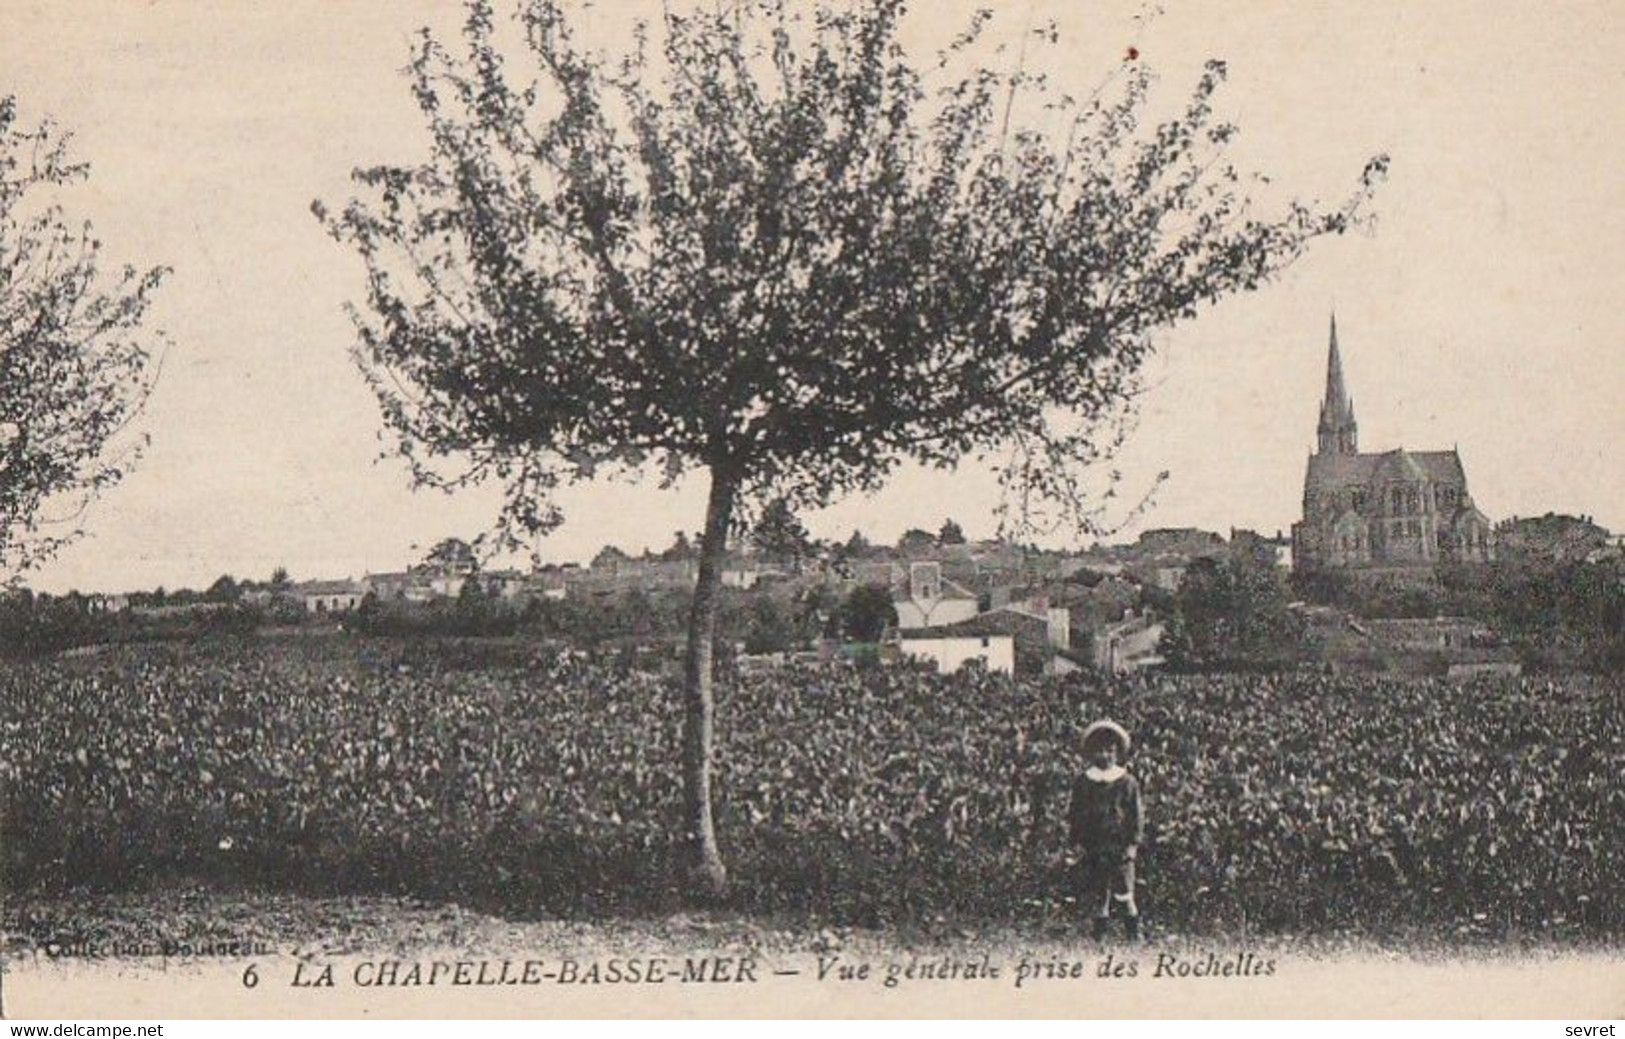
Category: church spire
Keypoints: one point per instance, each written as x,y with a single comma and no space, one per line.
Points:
1339,434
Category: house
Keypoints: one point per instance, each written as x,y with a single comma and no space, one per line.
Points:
932,600
1458,647
1129,645
1269,551
404,585
1611,551
447,584
997,653
1426,632
1169,578
1552,538
1040,638
325,597
111,603
1189,542
548,583
508,585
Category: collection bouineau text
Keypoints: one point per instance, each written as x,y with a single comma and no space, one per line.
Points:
748,970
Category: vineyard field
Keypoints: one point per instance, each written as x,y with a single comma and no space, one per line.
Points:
531,782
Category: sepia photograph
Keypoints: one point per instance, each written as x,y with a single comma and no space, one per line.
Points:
811,508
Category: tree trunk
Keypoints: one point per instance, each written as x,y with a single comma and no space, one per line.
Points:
708,878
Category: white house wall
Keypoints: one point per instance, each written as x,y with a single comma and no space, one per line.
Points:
996,652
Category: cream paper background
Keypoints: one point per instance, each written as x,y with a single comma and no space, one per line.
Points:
1483,311
1568,987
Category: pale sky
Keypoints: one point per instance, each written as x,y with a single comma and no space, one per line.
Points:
1483,311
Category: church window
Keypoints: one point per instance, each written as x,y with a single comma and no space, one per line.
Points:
1399,499
1413,528
1357,498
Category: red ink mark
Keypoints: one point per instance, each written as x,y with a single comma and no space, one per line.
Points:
1133,52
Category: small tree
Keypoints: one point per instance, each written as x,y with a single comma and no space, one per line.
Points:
857,546
770,630
453,555
867,613
474,610
759,246
681,549
816,613
916,540
76,363
950,533
779,535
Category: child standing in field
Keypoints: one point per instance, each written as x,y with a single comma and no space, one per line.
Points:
1105,824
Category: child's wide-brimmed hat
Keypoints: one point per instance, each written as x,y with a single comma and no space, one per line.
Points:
1106,729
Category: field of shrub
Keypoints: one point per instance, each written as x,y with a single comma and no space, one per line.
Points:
543,783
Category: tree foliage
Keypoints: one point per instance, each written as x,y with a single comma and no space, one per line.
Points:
867,612
680,550
76,363
763,245
780,535
224,589
453,555
771,630
916,540
1228,614
854,550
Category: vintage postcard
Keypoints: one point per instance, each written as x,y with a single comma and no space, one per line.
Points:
811,508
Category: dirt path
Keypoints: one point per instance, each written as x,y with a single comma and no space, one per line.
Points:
189,952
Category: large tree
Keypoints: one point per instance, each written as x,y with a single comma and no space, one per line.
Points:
761,246
76,363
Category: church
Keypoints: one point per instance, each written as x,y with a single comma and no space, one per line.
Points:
1392,511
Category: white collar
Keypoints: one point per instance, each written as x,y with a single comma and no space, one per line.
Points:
1105,775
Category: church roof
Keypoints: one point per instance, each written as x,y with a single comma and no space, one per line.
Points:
1336,407
1335,470
1399,465
1441,466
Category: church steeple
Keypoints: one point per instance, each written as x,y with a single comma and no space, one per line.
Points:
1339,434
